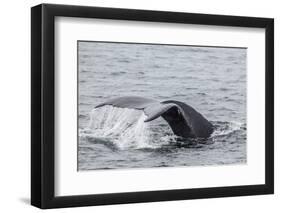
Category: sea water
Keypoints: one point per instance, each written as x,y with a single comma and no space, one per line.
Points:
210,79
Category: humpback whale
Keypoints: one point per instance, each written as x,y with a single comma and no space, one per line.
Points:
184,121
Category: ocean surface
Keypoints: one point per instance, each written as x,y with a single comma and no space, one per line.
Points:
210,79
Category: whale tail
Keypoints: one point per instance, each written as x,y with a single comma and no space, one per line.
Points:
182,118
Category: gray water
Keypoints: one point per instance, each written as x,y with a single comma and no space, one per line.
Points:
210,79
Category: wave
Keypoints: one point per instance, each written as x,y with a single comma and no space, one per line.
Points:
119,128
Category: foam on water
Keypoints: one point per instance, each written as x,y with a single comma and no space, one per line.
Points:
226,128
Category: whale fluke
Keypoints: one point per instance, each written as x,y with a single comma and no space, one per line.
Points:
182,118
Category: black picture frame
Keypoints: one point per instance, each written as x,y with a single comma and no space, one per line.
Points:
43,102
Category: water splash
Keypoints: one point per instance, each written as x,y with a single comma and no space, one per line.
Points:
226,128
125,128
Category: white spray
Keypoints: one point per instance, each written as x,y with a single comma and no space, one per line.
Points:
125,127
